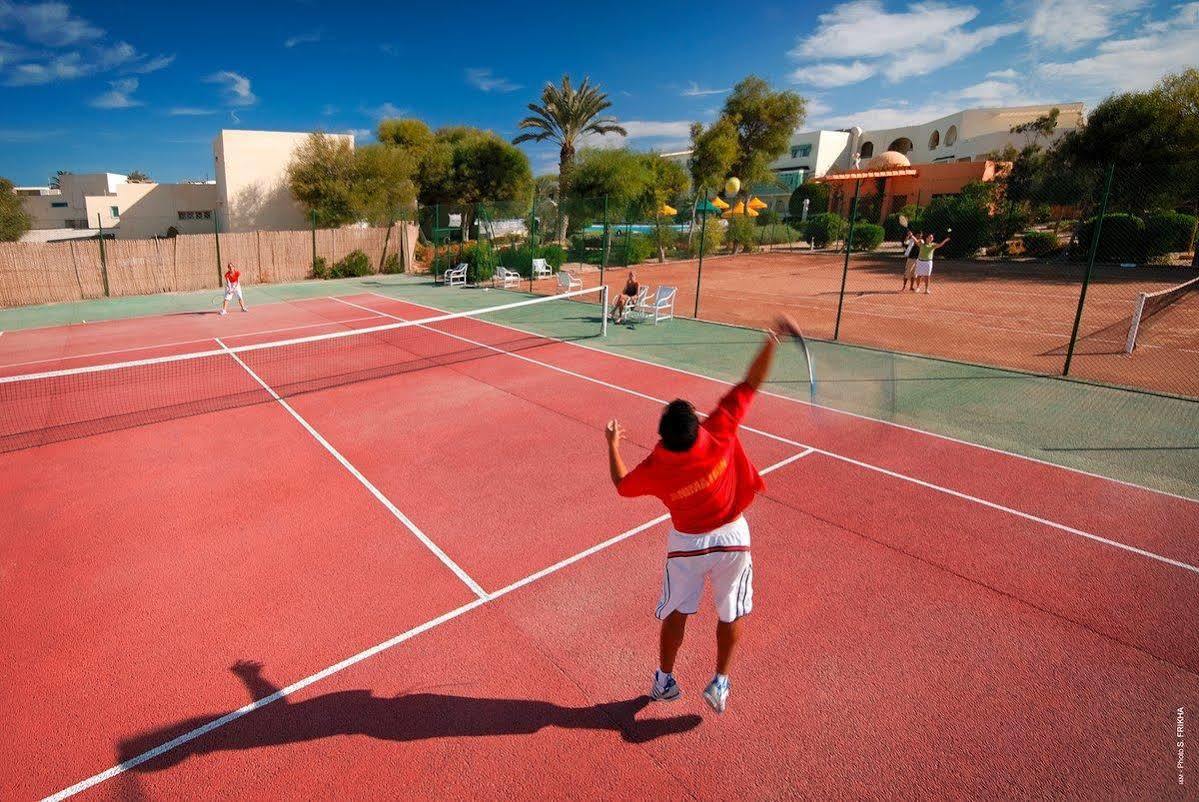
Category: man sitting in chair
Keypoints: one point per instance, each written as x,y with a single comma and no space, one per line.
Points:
620,307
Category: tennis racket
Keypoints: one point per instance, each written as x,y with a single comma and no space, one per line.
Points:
786,325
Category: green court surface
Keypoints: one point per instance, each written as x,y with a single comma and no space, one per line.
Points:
1147,439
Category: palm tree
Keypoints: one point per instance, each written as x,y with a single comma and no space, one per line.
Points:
563,116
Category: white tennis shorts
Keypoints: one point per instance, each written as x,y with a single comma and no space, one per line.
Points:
233,289
721,556
924,267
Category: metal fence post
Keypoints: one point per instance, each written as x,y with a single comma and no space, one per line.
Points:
314,239
216,232
1086,277
103,256
699,272
532,235
604,243
853,216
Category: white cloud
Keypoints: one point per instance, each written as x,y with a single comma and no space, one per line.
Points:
190,111
1007,74
865,28
153,65
360,133
662,133
236,87
50,24
119,96
693,90
828,75
1134,63
932,56
482,78
302,39
59,68
1069,24
385,110
817,107
890,116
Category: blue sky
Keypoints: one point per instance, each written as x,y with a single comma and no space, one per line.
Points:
131,85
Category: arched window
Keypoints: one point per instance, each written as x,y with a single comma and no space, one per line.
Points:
934,140
867,150
902,145
951,136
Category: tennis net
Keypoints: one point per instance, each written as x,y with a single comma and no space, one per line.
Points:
1149,304
46,407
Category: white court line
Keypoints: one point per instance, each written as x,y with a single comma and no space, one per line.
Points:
802,402
357,474
365,654
834,455
173,343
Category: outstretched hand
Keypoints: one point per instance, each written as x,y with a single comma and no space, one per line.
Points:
614,432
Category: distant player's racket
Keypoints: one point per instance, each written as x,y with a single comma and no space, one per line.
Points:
903,220
217,300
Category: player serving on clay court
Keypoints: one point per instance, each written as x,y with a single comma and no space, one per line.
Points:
924,261
233,287
701,473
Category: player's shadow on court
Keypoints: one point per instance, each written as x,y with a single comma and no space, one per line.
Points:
411,717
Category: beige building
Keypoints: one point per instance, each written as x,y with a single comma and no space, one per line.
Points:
250,194
251,179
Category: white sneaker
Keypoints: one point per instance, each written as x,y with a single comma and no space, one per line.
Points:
244,309
222,311
717,694
665,689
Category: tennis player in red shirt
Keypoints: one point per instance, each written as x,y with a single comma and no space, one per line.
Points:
701,473
233,287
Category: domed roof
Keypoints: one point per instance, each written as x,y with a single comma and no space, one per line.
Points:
888,161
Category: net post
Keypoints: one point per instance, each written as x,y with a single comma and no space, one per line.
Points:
103,256
1131,342
606,241
216,233
1086,277
853,216
603,310
532,235
703,231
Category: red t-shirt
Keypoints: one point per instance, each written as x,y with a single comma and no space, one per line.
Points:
711,483
232,276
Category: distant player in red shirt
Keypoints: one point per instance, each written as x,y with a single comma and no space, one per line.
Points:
232,287
701,473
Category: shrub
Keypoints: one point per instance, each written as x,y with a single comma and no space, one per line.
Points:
587,248
969,218
482,259
816,194
521,259
1009,220
741,233
354,264
1039,243
664,237
631,249
777,233
320,268
867,236
712,239
391,264
1168,232
766,217
422,253
825,228
1121,238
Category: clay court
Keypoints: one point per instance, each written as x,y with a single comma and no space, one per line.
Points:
384,559
1007,315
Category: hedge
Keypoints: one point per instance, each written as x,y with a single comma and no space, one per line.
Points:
741,233
777,233
867,236
521,259
1168,232
1121,238
1039,243
825,228
713,238
969,219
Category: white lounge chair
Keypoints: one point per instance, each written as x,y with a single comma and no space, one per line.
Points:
505,277
456,277
568,282
661,306
542,269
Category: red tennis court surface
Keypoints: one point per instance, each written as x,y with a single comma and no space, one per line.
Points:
423,586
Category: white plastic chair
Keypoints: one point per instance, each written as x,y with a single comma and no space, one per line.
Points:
661,306
456,277
505,277
542,269
568,282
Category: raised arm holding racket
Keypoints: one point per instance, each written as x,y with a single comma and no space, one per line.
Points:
704,477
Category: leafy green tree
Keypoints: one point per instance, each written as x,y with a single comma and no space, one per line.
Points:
668,184
56,180
138,177
764,120
383,186
816,195
467,165
1040,128
564,117
323,176
713,151
13,220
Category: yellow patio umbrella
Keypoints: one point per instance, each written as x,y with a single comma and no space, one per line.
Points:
719,203
756,203
667,211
